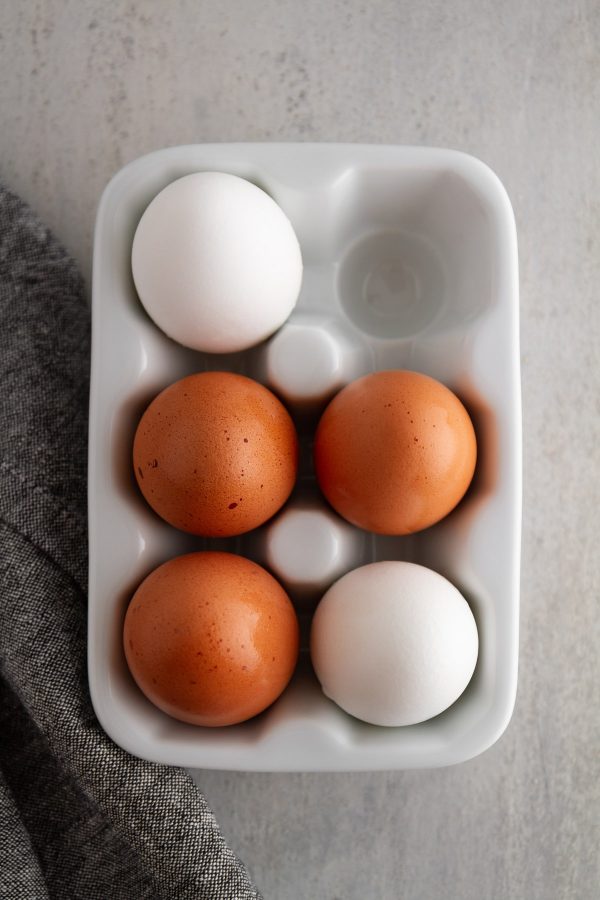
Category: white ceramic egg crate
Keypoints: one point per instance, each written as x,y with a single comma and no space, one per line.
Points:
410,261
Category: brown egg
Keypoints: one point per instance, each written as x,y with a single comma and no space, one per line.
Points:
211,638
216,454
394,452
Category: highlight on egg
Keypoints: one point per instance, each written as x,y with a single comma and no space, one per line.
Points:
211,638
216,454
395,452
216,262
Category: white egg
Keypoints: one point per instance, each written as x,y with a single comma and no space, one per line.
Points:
216,262
393,643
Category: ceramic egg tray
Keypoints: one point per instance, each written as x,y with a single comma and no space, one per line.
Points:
410,261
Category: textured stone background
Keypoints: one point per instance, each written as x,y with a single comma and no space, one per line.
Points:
83,90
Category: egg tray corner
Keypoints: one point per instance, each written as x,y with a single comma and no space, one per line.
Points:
410,261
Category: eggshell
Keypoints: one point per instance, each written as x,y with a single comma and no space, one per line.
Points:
216,262
211,638
216,454
393,643
395,451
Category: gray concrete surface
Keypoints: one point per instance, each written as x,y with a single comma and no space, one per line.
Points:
84,89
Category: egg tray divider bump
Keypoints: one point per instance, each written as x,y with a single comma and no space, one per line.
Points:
410,261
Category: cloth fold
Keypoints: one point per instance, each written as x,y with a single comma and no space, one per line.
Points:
79,817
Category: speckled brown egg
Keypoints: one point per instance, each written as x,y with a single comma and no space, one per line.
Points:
395,451
216,454
211,638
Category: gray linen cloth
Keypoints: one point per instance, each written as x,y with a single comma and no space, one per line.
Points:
79,817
